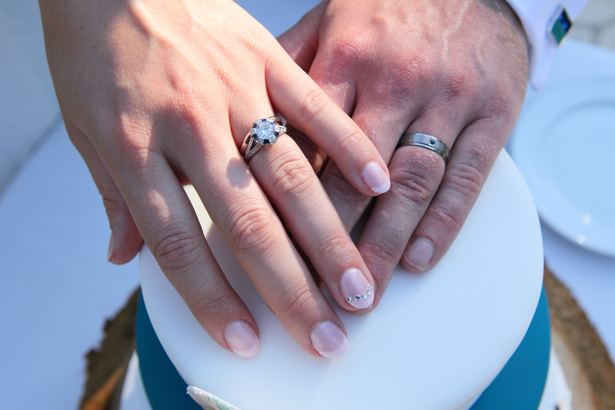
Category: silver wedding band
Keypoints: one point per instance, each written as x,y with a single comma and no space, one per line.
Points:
429,142
263,132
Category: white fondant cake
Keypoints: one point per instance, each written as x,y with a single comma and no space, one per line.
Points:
435,341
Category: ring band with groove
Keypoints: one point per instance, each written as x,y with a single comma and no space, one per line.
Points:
427,141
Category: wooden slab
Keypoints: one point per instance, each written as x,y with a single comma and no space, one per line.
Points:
589,370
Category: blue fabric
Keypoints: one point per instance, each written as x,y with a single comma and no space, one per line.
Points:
519,386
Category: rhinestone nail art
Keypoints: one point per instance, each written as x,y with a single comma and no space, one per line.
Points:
357,298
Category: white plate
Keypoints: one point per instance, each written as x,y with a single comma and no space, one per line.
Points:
563,145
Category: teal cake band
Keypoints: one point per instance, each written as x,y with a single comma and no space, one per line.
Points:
519,386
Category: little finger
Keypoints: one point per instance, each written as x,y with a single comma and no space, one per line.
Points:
471,161
172,232
125,240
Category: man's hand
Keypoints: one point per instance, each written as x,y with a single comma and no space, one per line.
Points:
456,70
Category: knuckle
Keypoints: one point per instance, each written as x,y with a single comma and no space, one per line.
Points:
448,216
351,140
459,83
114,206
252,230
501,105
466,179
407,79
185,97
214,307
185,119
352,49
296,303
416,181
347,200
129,144
413,186
256,42
331,247
416,68
340,189
314,103
381,251
177,247
293,176
467,176
129,136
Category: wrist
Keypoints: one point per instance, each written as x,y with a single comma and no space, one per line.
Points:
503,8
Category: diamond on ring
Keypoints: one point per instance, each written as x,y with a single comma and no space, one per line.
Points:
263,132
266,132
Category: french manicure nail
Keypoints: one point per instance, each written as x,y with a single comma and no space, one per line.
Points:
110,250
329,340
241,338
419,254
356,289
374,177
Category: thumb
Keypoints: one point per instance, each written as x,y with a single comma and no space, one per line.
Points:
301,40
125,241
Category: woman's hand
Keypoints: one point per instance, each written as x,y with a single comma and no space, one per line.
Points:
453,69
159,94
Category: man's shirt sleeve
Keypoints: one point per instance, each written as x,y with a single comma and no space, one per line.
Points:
544,25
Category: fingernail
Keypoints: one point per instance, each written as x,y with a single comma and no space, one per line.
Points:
110,250
241,338
374,177
420,253
329,340
356,289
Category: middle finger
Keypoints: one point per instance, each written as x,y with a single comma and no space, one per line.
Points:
289,181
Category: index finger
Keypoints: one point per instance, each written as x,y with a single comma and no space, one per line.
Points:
309,109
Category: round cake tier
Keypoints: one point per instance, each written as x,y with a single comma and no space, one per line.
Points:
435,341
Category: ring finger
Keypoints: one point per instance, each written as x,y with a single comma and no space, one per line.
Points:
416,173
257,237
